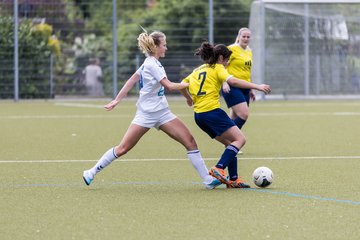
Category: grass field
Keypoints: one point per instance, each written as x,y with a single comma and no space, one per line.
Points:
154,193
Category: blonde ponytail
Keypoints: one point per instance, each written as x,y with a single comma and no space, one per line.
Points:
147,43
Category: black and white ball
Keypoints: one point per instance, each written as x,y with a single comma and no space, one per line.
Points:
262,177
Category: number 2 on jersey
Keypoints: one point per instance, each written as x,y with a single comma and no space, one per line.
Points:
202,76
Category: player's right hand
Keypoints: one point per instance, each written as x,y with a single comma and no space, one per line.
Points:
111,105
265,88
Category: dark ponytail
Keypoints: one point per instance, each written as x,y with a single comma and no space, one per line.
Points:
206,53
210,54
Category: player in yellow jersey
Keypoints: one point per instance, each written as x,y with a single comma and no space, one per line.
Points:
204,93
240,62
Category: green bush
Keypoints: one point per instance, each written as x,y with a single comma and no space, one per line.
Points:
36,46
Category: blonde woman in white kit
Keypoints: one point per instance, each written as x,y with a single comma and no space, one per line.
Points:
152,111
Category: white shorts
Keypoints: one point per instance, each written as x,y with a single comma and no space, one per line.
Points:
153,119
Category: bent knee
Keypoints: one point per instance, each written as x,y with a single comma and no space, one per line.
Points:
121,150
243,115
242,112
190,144
241,140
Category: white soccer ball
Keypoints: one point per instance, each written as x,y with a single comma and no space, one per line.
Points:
262,177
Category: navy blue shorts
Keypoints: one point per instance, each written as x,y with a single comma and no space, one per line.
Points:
214,122
236,96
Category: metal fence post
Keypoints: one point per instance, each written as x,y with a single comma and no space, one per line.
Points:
306,50
51,76
16,51
262,46
114,48
211,22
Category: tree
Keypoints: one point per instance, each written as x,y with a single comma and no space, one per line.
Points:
36,44
185,24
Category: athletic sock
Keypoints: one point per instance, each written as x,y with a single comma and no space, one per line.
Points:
232,169
239,122
198,162
228,155
104,161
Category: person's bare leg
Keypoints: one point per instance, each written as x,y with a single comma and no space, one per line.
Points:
130,139
178,131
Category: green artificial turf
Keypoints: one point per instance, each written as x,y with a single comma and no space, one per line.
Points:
154,193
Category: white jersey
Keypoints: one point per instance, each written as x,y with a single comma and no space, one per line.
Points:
152,98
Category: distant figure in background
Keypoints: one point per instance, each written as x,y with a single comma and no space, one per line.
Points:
93,78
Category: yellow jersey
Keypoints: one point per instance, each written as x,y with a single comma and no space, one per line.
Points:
240,62
205,83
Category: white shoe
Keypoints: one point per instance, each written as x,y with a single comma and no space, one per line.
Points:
213,184
88,177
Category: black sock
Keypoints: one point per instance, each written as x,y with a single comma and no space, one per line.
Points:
239,122
228,155
232,169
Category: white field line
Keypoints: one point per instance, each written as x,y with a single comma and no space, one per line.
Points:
307,114
309,104
88,105
270,114
182,159
15,117
82,105
181,104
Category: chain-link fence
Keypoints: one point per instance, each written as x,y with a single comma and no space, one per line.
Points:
58,39
300,49
307,49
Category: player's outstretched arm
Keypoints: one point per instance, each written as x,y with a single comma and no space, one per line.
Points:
123,92
235,82
171,86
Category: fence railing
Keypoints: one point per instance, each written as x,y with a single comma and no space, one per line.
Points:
56,38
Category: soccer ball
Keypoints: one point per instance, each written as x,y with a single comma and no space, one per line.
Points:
262,177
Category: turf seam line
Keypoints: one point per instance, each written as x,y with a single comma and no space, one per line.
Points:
289,194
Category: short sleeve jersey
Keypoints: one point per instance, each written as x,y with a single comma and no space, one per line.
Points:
151,95
204,86
240,62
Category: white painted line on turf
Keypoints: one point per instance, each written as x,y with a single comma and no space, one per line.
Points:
270,114
180,159
64,116
88,105
82,105
347,113
285,114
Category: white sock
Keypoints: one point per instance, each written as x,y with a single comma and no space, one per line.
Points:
105,160
199,164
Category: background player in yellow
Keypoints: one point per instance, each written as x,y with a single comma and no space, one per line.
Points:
240,62
204,93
